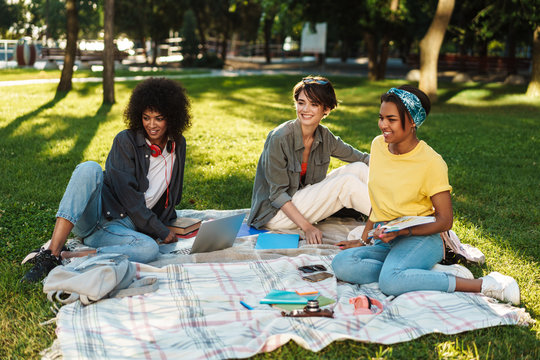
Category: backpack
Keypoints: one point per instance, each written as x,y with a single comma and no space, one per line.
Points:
90,279
457,252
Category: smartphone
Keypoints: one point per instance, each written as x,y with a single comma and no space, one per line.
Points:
312,268
317,277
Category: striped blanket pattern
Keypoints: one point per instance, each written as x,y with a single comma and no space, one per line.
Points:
196,314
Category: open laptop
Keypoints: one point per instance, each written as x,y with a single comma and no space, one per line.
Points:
213,235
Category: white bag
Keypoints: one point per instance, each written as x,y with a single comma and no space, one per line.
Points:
469,252
93,278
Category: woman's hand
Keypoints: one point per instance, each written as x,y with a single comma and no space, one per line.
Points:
349,244
313,235
385,237
170,238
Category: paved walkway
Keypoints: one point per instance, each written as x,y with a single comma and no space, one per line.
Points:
249,67
222,73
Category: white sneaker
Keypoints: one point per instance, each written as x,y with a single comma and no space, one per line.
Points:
501,287
454,269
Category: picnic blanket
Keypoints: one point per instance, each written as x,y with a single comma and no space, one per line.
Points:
333,229
196,313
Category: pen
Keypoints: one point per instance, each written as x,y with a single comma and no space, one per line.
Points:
307,293
246,305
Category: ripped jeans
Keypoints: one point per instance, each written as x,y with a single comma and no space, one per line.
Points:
81,205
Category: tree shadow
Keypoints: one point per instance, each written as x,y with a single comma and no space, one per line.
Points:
46,146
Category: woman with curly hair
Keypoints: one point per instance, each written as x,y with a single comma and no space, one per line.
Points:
127,207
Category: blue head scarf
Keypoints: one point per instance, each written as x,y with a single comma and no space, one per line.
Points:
412,103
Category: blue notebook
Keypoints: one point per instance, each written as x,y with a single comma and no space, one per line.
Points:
277,241
246,230
283,297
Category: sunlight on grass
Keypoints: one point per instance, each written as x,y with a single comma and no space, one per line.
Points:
486,133
455,350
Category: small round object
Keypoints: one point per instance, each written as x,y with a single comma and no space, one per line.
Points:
312,306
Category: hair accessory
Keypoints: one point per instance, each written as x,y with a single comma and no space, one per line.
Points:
412,103
312,80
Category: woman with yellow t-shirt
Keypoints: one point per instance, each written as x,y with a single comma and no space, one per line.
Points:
407,177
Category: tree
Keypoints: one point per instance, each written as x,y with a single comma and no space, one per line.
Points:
143,19
533,90
108,53
430,46
71,46
48,18
270,9
11,14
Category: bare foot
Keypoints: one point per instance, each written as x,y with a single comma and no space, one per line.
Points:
72,254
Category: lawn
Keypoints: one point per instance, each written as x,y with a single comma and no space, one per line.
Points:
489,135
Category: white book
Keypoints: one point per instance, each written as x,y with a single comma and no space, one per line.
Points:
404,222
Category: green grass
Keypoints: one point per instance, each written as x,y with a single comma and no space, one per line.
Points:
489,135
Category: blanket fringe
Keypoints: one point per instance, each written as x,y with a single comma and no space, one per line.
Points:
54,352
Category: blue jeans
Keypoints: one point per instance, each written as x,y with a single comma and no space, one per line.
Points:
400,266
81,205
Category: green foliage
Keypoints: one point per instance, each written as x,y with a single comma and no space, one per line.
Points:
190,43
49,17
488,135
11,14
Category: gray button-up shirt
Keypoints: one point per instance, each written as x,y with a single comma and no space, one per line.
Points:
278,171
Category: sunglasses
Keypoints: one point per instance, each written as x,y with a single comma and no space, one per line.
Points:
311,81
311,268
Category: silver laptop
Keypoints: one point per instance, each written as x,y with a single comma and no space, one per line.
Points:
213,235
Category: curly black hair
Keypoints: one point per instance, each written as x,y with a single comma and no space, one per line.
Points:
165,96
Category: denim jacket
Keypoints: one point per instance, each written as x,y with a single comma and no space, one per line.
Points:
278,172
125,182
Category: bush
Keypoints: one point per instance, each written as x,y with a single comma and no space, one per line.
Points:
210,60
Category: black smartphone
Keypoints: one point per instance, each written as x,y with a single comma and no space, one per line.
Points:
317,277
312,268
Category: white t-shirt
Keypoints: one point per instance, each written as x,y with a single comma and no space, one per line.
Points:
159,177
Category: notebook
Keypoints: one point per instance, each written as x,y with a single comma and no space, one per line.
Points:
277,241
213,235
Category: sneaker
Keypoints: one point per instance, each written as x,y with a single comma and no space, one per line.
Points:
44,262
31,257
501,287
454,269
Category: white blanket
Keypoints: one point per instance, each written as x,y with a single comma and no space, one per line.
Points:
196,314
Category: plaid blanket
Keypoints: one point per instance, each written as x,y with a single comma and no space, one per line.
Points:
196,314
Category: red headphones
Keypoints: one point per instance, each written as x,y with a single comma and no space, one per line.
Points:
155,150
364,305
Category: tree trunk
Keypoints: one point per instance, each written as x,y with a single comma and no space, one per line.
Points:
108,53
268,22
533,90
201,30
371,46
511,65
383,58
71,46
430,46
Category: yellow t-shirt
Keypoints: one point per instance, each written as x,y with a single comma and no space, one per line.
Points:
401,185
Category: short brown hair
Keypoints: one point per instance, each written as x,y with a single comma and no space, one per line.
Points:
318,89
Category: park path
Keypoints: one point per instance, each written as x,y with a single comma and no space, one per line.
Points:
212,73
